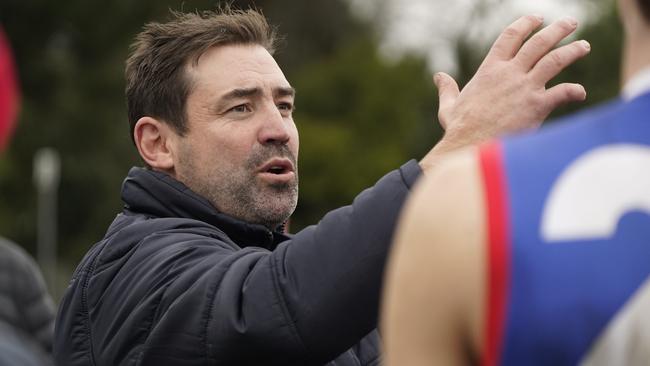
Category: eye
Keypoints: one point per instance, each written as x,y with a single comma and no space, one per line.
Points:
286,107
242,108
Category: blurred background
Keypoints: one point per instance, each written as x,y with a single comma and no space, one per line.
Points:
365,100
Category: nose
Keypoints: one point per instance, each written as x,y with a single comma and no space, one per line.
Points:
275,128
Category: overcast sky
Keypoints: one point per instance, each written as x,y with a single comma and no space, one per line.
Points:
431,27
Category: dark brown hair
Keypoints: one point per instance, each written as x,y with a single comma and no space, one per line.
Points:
156,80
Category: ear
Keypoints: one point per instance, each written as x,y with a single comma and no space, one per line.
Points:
155,141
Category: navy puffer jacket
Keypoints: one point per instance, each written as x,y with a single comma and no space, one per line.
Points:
174,282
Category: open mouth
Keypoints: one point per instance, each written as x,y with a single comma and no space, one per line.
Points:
277,170
277,167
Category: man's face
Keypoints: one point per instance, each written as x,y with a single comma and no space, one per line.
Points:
241,148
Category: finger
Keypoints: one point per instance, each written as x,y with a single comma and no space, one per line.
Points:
555,61
511,39
564,93
448,91
544,41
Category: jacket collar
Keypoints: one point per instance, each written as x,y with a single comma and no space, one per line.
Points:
157,194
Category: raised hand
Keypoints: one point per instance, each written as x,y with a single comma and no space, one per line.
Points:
508,92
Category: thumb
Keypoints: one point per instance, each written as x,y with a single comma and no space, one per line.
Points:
448,91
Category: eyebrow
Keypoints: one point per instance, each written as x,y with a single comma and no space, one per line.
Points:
241,93
254,92
284,92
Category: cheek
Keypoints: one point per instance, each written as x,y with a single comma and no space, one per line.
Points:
229,142
230,153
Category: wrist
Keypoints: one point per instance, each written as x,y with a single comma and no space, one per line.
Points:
430,160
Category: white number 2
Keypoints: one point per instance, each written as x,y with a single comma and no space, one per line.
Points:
595,191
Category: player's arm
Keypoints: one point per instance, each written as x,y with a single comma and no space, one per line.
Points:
434,285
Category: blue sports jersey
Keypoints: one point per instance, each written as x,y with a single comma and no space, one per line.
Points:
569,240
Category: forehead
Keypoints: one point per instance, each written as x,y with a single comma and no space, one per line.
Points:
223,68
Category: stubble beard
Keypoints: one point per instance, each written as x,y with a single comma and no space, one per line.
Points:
238,191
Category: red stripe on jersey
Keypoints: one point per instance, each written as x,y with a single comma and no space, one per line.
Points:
498,245
8,92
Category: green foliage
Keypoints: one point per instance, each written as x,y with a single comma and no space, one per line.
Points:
70,63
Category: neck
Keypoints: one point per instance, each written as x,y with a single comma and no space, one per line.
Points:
636,51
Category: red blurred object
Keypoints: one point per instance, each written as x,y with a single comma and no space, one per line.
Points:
9,97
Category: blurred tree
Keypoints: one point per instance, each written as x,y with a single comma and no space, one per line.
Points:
70,58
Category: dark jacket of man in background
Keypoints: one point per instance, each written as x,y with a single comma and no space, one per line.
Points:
197,282
26,309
